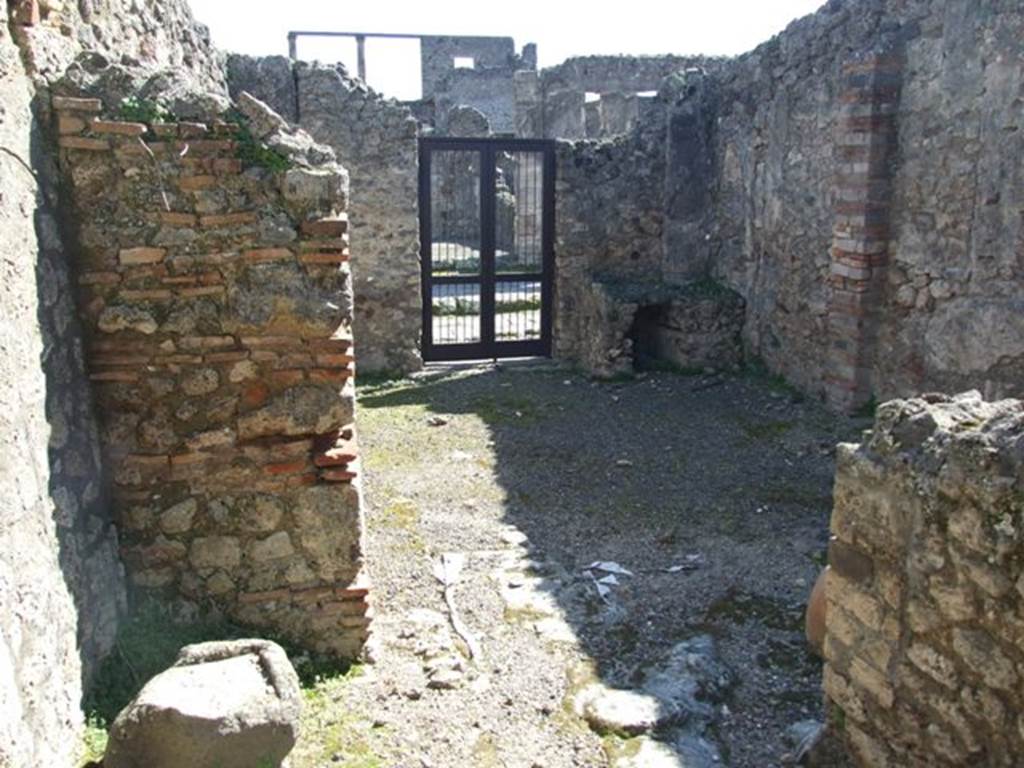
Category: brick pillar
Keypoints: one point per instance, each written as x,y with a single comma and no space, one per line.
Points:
865,147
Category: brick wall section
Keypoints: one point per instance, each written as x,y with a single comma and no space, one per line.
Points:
924,646
217,304
377,139
865,146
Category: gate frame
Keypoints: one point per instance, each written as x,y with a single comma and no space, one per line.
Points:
488,347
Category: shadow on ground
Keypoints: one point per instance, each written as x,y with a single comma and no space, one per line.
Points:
713,493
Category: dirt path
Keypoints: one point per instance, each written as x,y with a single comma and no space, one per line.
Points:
714,494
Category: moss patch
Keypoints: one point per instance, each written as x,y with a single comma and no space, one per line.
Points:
765,430
332,734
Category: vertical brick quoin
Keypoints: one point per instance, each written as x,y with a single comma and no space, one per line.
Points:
217,303
864,150
924,645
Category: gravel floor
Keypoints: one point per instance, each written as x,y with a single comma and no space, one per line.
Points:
532,473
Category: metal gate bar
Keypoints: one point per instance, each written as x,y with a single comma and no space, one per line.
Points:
473,306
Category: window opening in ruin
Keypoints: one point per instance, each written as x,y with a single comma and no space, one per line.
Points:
391,64
464,62
590,97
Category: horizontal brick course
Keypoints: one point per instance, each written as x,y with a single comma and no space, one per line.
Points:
236,219
325,228
142,255
74,104
83,143
117,128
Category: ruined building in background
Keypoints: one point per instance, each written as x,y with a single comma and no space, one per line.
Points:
835,203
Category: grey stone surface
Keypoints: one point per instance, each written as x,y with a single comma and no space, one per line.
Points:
154,36
40,683
464,120
749,180
609,217
556,107
689,207
487,86
677,700
376,141
694,328
931,631
269,78
954,194
622,712
222,705
213,453
61,582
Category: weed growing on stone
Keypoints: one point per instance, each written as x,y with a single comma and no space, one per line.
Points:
765,430
253,152
94,739
334,736
148,111
401,513
756,369
147,644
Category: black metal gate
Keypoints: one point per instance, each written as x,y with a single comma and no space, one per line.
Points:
486,228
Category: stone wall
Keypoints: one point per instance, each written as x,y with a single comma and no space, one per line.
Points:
956,271
486,86
609,210
621,74
152,34
61,582
42,505
216,296
925,620
377,139
690,97
792,117
693,329
554,103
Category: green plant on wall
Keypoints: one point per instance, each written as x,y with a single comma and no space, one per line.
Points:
137,110
251,151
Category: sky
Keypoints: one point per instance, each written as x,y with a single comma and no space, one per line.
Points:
560,28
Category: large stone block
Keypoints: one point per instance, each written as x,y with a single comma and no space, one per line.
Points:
222,705
301,410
